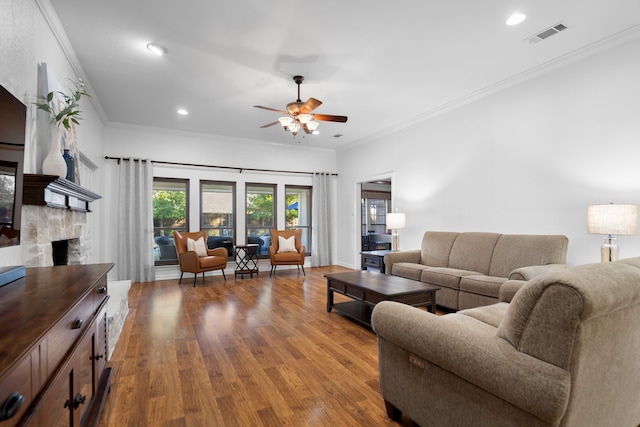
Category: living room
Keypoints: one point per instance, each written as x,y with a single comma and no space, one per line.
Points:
527,155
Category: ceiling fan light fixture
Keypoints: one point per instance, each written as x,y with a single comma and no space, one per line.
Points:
304,118
285,121
312,125
293,127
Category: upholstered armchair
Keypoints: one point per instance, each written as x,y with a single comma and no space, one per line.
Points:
290,252
564,352
195,257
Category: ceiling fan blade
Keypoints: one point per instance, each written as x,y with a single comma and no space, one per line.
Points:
271,109
310,105
330,118
268,125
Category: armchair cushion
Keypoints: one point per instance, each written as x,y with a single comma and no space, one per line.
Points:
197,246
287,245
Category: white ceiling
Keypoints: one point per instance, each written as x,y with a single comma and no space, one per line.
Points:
382,64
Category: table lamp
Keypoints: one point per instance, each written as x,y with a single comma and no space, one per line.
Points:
395,222
612,219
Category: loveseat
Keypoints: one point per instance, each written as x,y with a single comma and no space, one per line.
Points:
471,267
563,352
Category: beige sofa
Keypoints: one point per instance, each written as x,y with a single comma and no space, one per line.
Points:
471,267
564,352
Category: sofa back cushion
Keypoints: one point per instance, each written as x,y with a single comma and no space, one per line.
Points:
436,248
472,251
518,250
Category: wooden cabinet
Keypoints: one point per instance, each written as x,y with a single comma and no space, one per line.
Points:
59,347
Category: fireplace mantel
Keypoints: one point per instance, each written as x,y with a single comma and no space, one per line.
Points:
55,192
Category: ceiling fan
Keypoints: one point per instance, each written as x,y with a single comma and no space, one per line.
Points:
298,115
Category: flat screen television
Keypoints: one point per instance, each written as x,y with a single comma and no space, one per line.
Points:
13,123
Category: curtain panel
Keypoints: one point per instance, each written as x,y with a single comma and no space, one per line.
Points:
322,244
135,221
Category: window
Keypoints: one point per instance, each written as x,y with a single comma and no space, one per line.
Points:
261,215
217,213
298,212
170,213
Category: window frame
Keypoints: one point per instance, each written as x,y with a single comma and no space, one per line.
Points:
184,181
247,227
309,227
234,216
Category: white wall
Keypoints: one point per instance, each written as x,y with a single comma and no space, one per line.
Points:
183,147
25,41
529,159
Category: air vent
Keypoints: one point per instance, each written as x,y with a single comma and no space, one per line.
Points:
337,135
545,34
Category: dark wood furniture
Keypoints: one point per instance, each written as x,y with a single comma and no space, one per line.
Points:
53,347
368,288
373,259
247,259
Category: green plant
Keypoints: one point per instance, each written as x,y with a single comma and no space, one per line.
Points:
63,109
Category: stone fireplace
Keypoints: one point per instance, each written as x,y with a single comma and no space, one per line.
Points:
53,210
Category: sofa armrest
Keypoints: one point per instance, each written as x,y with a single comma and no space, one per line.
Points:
509,289
457,344
528,273
400,256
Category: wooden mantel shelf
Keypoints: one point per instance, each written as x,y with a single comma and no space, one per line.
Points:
50,190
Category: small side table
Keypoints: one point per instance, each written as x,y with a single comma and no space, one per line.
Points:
373,259
247,259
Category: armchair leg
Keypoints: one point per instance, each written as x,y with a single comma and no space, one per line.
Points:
203,278
273,270
303,270
392,412
180,282
223,275
195,277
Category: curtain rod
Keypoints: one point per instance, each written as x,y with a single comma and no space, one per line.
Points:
240,170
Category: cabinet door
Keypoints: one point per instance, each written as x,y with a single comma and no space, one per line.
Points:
83,376
54,410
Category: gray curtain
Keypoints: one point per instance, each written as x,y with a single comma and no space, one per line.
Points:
135,221
322,214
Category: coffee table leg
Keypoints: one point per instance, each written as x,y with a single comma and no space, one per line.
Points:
329,297
432,306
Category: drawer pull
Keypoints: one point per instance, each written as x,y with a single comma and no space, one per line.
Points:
78,400
102,290
77,324
98,356
11,405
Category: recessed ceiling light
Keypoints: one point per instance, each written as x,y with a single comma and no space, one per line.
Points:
182,112
157,49
516,18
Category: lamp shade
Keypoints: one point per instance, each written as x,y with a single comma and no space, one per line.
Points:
396,221
612,219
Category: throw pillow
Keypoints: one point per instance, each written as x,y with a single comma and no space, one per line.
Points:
197,246
286,245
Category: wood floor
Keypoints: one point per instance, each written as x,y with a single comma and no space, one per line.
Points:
245,352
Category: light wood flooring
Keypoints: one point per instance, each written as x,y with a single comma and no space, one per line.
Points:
256,351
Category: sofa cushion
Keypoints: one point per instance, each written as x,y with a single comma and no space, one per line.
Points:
518,250
436,248
483,285
489,314
449,277
408,270
473,251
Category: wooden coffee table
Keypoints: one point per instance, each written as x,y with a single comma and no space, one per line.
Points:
367,288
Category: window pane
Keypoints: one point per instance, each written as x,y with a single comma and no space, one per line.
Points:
169,214
298,212
217,213
261,215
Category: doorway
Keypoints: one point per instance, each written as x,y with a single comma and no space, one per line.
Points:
375,204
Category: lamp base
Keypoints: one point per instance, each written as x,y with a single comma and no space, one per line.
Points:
609,250
395,245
